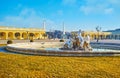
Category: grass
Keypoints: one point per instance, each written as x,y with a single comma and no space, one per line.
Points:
3,45
24,66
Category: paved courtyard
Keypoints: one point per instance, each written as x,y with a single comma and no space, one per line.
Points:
47,40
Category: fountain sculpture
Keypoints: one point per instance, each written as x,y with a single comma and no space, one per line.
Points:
78,43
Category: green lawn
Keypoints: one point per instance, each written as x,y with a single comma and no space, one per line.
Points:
24,66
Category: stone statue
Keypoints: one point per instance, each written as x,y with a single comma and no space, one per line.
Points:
86,44
80,38
87,39
78,43
68,43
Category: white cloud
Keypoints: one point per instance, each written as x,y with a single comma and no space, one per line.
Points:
26,13
26,18
108,10
86,9
98,7
114,1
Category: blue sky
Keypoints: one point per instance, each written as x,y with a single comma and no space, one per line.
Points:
76,14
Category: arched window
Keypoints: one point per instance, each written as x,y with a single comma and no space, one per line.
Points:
17,35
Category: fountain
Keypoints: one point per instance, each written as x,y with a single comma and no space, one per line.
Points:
77,46
78,43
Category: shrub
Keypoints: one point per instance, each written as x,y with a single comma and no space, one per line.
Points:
61,40
31,40
9,42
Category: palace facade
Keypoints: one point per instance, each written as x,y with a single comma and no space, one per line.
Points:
94,35
115,34
21,33
9,33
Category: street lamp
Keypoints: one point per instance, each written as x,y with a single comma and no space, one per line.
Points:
98,29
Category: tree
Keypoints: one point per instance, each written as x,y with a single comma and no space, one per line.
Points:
98,29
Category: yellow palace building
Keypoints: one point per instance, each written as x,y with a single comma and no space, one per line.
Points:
95,35
9,33
21,33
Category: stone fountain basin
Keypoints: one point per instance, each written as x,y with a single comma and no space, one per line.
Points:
39,48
